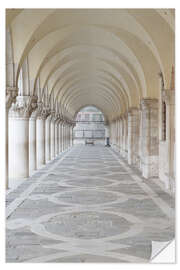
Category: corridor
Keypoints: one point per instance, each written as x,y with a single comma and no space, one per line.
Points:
88,205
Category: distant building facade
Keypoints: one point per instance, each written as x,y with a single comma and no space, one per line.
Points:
89,125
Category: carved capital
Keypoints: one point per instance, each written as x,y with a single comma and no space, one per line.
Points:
169,97
41,112
21,108
133,111
11,93
149,103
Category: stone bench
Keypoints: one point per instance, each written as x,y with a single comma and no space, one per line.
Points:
89,142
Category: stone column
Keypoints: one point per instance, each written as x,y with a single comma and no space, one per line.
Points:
60,136
150,138
117,134
124,136
18,150
133,136
32,144
65,136
113,133
70,134
52,137
65,128
57,135
120,135
68,130
40,140
47,139
140,137
32,136
169,98
107,142
11,93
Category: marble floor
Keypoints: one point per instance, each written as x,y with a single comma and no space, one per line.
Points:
88,205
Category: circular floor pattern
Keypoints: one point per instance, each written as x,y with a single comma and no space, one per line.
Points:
87,182
87,172
91,166
87,225
87,197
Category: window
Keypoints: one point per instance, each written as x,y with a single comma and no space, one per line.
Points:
86,117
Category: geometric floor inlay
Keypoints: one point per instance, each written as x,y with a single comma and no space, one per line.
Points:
88,205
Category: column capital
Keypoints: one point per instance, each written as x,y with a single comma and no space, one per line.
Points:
57,118
168,96
133,111
149,103
11,93
40,112
22,107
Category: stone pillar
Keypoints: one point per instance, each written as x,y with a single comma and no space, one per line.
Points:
40,141
32,144
169,98
47,139
113,133
56,137
107,135
121,136
150,138
60,136
63,136
66,136
56,124
65,133
68,132
52,136
18,150
32,136
11,93
70,135
133,136
117,134
124,136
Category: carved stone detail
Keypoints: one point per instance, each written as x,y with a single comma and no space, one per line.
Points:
169,97
23,107
11,93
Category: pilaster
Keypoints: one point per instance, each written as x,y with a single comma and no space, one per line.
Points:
150,138
133,136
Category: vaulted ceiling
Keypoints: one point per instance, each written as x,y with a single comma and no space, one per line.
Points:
109,58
